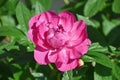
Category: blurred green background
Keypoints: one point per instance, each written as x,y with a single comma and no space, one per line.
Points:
102,62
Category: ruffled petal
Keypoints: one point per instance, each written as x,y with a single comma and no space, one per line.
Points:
73,53
41,30
52,56
33,20
41,57
66,20
78,33
56,40
47,18
67,66
62,56
36,39
83,48
79,29
32,34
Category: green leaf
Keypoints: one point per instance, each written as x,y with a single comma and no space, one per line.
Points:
86,19
100,58
37,74
109,25
87,58
116,71
39,8
98,48
7,21
42,5
112,28
9,6
102,73
46,4
68,75
9,46
17,75
116,6
93,6
11,31
23,15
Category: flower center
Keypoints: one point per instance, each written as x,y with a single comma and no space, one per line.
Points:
56,37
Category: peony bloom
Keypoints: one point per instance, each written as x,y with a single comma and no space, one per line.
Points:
59,39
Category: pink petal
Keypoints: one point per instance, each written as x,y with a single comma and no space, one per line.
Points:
83,47
78,33
66,20
33,20
67,66
78,41
36,39
56,40
52,56
42,29
41,57
79,29
48,17
73,53
47,20
32,34
62,56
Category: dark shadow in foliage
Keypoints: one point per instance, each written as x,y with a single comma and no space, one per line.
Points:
20,57
76,6
114,37
96,36
102,70
5,71
89,73
84,73
49,73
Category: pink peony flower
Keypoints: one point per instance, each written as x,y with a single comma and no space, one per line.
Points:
59,39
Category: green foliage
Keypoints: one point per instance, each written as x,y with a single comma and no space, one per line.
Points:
116,6
93,6
23,15
101,62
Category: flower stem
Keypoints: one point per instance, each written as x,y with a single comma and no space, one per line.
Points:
51,67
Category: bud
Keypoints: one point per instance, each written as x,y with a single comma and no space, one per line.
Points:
81,63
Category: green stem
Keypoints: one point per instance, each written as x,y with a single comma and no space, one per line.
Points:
51,67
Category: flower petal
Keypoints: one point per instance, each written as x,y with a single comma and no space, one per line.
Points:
48,17
67,66
78,33
52,56
33,20
83,48
41,30
35,38
66,20
41,57
79,29
73,53
32,34
62,56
